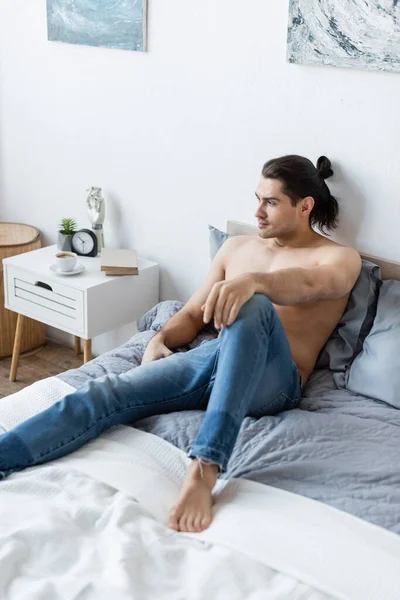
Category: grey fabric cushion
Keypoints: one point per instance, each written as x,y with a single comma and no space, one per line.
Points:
375,373
157,316
346,341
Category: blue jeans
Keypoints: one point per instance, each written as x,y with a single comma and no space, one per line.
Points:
248,370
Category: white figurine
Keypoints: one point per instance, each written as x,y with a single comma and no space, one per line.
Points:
96,212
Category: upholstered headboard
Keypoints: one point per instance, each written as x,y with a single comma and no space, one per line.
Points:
389,269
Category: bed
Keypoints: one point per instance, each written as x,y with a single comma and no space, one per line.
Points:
309,507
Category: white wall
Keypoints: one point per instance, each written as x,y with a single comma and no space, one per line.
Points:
176,137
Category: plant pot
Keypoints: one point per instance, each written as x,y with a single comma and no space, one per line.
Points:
64,242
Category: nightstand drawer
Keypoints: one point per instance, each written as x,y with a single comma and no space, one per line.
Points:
47,300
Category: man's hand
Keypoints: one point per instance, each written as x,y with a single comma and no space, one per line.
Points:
226,299
155,350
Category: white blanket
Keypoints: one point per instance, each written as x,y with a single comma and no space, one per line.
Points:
92,526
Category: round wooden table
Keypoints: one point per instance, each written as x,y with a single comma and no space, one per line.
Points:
16,238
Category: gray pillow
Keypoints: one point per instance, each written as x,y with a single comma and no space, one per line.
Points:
346,342
217,238
375,373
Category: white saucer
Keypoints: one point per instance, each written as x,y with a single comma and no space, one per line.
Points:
79,267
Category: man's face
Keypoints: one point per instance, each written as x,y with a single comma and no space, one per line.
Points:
276,215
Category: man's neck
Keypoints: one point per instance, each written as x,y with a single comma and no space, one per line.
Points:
304,239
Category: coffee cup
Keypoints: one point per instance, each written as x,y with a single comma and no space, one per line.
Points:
65,261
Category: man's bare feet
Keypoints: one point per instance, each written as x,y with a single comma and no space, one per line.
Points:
193,512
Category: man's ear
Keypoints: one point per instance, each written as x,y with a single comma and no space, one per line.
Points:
306,206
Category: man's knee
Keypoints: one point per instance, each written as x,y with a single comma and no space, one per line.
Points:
258,306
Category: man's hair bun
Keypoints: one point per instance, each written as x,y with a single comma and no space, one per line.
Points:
324,167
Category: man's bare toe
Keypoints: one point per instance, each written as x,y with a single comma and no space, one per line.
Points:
205,523
173,521
188,524
182,524
191,526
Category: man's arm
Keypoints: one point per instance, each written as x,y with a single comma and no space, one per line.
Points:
183,327
332,278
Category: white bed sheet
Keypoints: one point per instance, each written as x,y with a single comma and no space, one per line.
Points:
92,525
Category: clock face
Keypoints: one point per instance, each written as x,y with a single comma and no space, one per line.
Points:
83,243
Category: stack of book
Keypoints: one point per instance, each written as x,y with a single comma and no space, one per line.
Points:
115,261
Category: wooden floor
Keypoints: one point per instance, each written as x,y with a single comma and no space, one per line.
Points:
46,361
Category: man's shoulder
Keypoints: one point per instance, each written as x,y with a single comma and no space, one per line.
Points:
330,247
240,240
345,258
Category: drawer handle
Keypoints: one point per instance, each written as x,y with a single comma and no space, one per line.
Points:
46,286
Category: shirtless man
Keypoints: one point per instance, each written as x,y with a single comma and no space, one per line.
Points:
275,297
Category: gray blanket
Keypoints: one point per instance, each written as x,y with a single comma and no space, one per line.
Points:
337,448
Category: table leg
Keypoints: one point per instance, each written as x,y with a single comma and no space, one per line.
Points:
77,345
17,347
87,350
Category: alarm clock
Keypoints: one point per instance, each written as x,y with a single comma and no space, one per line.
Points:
84,243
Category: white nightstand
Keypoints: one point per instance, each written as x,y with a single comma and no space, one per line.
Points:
84,305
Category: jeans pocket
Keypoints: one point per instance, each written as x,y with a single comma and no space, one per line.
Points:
275,405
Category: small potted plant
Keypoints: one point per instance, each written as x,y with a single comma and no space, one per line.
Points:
66,230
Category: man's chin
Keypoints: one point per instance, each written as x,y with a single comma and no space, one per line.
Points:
266,234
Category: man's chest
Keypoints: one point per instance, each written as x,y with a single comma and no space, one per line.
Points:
263,260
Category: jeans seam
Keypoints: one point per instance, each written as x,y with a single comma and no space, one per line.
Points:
215,363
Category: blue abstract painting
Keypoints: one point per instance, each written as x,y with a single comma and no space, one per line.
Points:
345,33
109,23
